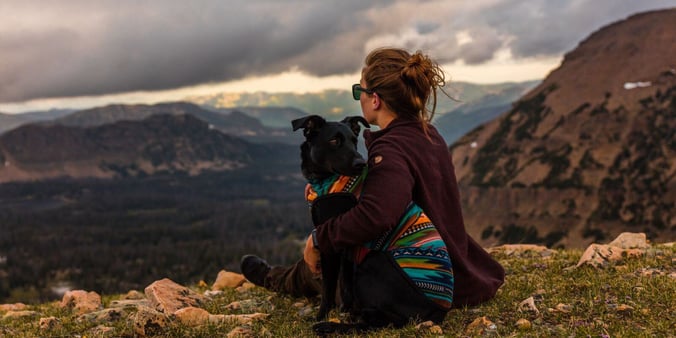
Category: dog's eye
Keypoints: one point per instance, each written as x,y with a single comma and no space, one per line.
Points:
334,142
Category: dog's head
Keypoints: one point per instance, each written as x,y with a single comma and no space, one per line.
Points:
330,147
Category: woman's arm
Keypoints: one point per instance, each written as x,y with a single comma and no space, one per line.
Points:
386,193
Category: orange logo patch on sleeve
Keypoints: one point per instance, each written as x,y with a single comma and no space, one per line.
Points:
377,159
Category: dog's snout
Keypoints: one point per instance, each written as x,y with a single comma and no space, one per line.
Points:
358,163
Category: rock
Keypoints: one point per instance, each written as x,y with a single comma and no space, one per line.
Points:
624,309
246,287
598,255
20,314
241,331
481,326
105,315
228,280
630,240
192,316
13,307
523,324
49,323
133,295
148,321
81,302
129,303
563,308
247,304
101,331
430,327
240,319
212,294
528,304
520,250
166,296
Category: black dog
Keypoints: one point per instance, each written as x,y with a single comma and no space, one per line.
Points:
330,151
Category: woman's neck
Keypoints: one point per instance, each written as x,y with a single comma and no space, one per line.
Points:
384,118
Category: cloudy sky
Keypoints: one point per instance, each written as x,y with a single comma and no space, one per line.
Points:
74,53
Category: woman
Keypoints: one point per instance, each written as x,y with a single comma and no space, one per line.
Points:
408,161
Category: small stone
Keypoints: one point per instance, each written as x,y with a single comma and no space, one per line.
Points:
13,307
481,326
148,321
228,280
192,316
20,314
528,305
599,255
133,295
212,293
436,329
241,331
245,287
298,304
167,296
520,250
523,324
129,303
240,319
430,327
81,301
105,315
630,240
49,323
305,312
424,325
564,308
101,331
624,309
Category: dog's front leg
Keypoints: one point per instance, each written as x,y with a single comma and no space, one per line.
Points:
330,273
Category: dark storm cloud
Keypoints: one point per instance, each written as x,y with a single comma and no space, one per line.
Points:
73,48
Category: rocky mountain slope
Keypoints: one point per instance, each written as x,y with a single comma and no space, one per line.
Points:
175,144
588,153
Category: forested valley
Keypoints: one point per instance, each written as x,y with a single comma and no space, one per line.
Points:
117,235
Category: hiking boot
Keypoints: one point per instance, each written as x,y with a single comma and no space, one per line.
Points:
255,269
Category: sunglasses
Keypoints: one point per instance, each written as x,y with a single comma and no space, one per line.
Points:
357,89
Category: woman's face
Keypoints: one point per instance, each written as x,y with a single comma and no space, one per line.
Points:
366,105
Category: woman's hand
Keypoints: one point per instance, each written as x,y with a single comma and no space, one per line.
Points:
311,257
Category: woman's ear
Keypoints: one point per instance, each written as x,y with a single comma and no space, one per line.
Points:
376,101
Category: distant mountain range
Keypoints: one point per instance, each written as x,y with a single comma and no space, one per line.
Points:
264,117
159,144
587,154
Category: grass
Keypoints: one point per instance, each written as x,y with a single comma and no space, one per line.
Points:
632,298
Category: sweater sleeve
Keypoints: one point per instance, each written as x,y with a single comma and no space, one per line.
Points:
386,193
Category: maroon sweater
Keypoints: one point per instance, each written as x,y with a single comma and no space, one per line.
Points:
405,166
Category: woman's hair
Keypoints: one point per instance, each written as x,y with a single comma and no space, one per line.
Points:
406,82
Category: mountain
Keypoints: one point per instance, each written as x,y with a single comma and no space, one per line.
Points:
588,153
11,121
232,122
275,117
276,109
171,144
452,125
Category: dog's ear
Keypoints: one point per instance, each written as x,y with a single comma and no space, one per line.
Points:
354,121
308,123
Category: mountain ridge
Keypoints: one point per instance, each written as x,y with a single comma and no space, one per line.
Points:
582,156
